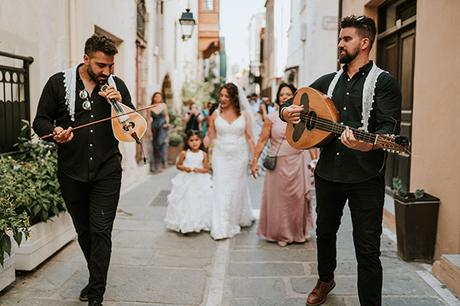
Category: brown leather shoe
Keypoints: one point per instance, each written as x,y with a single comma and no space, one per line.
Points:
318,295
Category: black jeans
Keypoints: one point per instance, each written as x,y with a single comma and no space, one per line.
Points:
93,207
365,200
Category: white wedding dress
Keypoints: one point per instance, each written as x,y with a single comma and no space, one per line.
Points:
232,204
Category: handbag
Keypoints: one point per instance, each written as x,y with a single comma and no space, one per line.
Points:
270,161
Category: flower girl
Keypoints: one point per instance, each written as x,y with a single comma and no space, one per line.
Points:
190,200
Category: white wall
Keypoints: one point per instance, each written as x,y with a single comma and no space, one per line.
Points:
54,33
278,17
316,54
178,58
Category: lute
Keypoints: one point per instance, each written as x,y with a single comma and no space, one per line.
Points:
319,122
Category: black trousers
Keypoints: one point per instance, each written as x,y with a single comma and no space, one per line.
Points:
93,207
365,200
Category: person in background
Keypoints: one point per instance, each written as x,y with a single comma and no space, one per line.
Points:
191,197
286,209
204,118
192,118
159,126
230,131
267,107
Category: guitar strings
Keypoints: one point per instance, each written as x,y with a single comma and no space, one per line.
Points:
336,128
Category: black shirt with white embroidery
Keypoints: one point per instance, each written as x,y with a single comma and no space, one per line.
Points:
93,152
337,163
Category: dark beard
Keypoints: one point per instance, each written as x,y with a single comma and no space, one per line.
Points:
94,77
348,57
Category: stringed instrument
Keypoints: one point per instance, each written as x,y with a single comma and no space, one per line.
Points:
319,123
127,125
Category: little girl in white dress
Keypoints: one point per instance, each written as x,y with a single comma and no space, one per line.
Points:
190,200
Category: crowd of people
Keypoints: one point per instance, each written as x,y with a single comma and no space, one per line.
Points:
237,134
231,137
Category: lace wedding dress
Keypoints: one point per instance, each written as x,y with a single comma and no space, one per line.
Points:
232,204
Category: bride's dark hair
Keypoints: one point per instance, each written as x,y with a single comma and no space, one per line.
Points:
232,91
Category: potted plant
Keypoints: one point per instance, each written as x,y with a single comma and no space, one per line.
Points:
416,217
29,181
176,137
12,225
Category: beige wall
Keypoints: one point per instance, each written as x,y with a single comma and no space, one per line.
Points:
435,147
435,161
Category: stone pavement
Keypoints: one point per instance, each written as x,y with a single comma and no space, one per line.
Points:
153,266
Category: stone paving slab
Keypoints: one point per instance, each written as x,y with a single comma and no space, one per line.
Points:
174,286
265,269
154,266
255,287
272,255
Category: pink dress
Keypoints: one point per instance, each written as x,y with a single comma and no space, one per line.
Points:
286,213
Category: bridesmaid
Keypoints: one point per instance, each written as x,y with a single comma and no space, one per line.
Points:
159,125
286,213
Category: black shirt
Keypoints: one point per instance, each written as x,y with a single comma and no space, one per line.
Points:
338,163
93,152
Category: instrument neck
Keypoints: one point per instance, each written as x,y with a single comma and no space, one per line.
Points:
338,129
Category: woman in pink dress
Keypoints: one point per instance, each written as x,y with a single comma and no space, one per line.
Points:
286,213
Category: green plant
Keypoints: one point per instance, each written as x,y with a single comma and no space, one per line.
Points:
197,91
398,189
11,223
175,139
29,180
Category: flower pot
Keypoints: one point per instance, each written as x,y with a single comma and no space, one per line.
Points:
7,272
416,226
45,239
173,153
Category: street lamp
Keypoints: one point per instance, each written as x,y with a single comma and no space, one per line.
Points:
187,23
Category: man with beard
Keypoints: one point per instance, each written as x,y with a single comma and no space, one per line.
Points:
89,162
349,169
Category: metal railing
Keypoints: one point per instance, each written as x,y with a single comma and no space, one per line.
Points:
14,99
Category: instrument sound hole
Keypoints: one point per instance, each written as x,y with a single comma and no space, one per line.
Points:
128,126
310,122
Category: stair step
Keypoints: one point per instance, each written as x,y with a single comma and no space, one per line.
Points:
447,270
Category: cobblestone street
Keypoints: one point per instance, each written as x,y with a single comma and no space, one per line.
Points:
153,266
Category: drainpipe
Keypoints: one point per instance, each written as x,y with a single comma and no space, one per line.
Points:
72,14
339,17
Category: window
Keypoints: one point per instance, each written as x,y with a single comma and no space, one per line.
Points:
208,5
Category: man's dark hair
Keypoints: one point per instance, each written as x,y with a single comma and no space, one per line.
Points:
363,24
100,43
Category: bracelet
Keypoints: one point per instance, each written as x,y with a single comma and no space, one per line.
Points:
282,114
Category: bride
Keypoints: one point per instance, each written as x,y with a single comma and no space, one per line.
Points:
230,131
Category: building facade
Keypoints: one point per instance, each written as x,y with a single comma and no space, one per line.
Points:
415,43
256,33
312,41
275,45
152,56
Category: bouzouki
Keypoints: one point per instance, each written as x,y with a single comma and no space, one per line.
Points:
319,123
